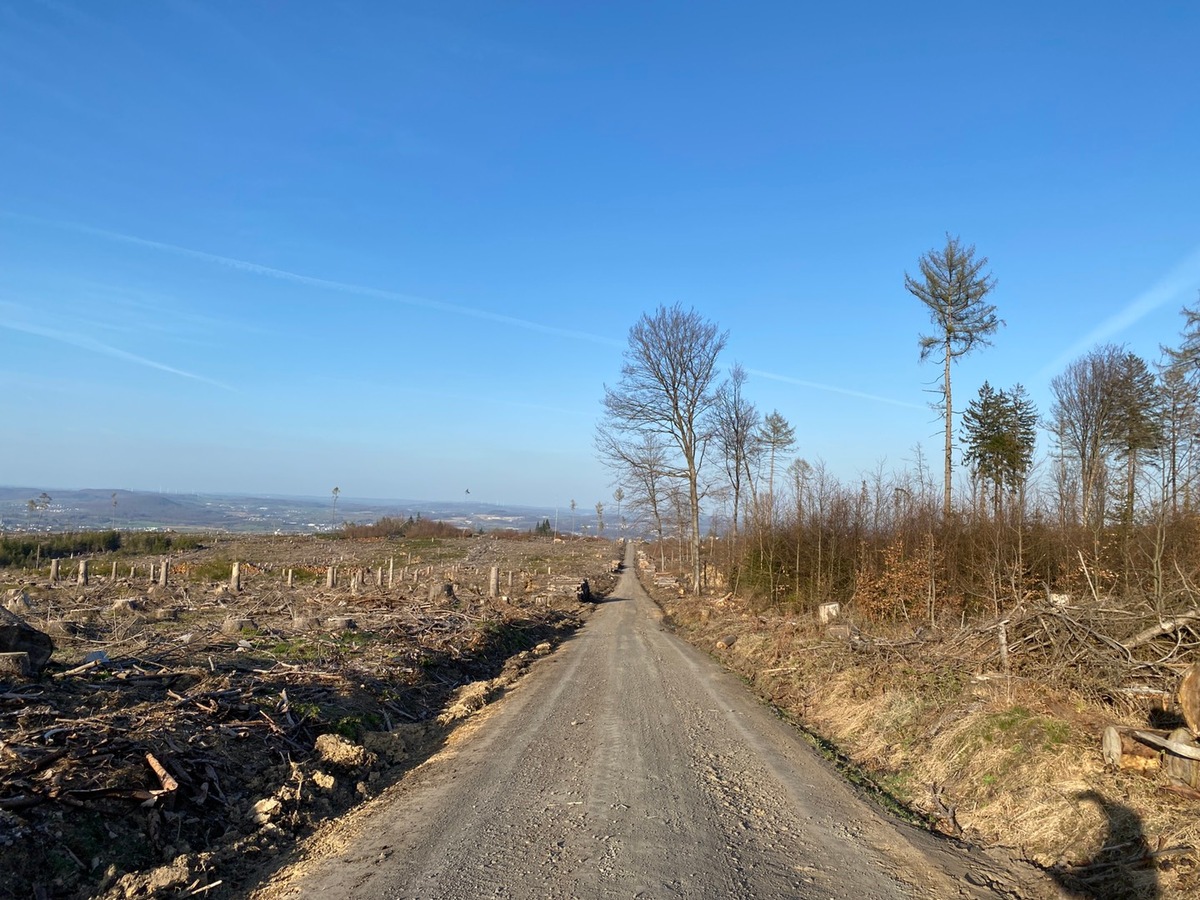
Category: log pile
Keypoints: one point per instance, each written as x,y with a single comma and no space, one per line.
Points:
1176,752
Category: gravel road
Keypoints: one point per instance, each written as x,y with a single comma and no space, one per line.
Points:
628,765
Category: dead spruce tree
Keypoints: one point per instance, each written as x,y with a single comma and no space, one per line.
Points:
667,389
954,288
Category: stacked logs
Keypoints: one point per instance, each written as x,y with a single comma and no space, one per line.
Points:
1176,752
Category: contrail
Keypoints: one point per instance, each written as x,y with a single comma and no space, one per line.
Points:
84,342
834,390
253,268
1170,287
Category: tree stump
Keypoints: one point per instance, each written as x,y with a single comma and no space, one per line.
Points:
235,625
54,576
18,637
82,576
235,577
494,581
330,578
14,665
1122,751
126,605
827,612
164,572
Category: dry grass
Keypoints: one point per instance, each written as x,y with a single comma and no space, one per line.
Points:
1016,760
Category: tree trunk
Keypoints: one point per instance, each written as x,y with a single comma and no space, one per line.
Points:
694,499
949,469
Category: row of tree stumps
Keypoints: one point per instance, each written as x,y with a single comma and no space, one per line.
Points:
159,572
360,577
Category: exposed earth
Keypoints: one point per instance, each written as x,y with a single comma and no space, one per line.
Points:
184,736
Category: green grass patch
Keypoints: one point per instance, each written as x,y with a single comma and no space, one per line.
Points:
1022,730
295,650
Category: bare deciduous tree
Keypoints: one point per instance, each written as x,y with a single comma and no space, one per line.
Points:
736,422
668,388
1105,412
641,467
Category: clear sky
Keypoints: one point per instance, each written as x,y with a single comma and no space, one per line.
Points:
397,247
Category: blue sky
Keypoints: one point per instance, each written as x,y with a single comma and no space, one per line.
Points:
274,247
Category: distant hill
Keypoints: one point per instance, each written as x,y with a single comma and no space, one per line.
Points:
94,508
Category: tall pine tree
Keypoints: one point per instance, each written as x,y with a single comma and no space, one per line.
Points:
954,288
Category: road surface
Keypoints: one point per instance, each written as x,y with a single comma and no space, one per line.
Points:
625,765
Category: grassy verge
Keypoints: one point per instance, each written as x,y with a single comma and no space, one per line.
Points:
941,740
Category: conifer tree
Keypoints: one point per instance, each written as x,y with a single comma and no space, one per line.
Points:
954,288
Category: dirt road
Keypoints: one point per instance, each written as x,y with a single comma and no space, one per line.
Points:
629,765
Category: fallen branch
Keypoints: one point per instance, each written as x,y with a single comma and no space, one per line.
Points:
164,777
95,663
1162,628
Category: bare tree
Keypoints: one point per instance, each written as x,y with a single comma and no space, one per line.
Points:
954,288
641,466
736,422
1179,384
619,495
1082,414
1180,412
668,388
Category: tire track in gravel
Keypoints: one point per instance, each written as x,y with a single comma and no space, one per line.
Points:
628,764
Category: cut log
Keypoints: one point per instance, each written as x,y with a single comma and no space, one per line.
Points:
1171,743
726,642
1182,768
1189,697
1122,751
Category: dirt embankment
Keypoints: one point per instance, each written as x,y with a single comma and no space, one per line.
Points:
926,722
185,735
